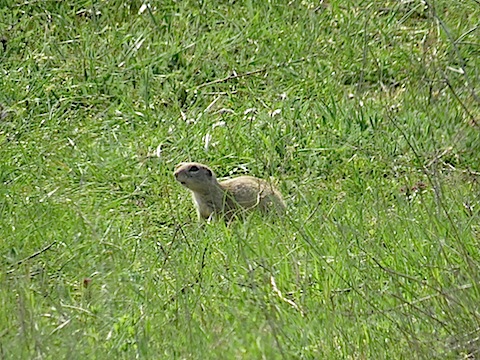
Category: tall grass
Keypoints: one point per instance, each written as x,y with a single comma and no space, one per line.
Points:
365,112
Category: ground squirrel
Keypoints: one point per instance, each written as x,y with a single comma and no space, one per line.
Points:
228,198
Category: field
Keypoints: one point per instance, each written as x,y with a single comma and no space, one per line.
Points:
365,113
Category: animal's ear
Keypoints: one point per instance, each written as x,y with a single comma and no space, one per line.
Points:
209,173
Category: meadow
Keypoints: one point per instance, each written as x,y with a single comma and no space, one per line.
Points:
366,113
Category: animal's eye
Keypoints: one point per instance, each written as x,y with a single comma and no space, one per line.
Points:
194,168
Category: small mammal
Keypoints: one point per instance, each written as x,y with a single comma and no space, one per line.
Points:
227,198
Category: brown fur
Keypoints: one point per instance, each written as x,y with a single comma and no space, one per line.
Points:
230,197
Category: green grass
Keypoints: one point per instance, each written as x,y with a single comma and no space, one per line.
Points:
365,112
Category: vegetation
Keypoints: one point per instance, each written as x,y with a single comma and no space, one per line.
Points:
366,113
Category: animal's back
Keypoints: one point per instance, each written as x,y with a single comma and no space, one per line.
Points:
249,192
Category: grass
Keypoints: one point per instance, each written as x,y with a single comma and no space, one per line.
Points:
365,112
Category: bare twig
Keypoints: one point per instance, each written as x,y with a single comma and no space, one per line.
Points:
412,278
420,310
231,77
436,190
197,282
35,254
455,95
254,72
283,298
355,289
428,297
456,50
437,157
